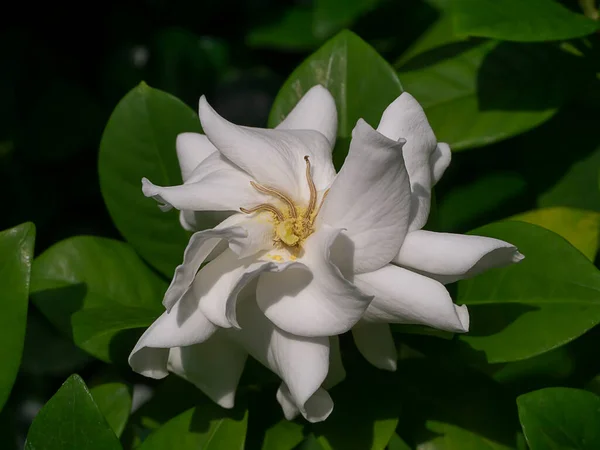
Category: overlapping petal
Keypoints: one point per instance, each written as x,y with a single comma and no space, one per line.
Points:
192,149
405,119
370,198
315,111
301,362
402,296
440,160
449,257
313,299
274,158
375,342
316,409
214,367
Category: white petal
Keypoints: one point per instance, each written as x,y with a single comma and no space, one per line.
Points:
215,185
302,363
315,111
405,119
192,149
201,220
214,367
313,300
402,296
370,198
200,246
150,362
449,257
440,160
376,344
218,284
318,407
274,158
336,373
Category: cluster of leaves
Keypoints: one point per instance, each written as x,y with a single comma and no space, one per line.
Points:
516,83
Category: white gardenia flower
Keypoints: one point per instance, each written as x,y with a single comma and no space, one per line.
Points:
304,254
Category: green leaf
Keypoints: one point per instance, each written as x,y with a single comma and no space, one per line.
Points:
206,426
284,434
581,228
333,15
93,289
519,311
517,20
396,443
292,30
560,418
114,401
16,253
71,421
578,188
361,81
139,141
491,91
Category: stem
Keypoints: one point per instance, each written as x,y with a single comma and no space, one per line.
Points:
589,9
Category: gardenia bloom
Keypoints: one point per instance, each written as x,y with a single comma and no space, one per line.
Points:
304,254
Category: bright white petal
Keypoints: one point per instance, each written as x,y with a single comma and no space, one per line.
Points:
405,119
440,160
370,198
375,342
336,373
318,407
192,149
215,185
315,111
402,296
274,158
313,300
450,257
302,363
214,367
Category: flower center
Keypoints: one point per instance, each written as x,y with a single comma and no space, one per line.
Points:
294,223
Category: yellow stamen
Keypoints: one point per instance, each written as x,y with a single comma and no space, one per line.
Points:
312,202
264,207
271,191
321,204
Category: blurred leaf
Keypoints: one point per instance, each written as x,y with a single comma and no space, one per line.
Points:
465,205
291,30
16,253
361,81
206,427
332,15
284,434
519,311
310,443
114,401
139,141
517,20
71,421
581,228
491,91
93,289
560,418
452,437
396,443
578,188
49,352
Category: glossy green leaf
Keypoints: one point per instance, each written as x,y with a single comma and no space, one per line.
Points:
519,311
93,289
206,427
71,420
361,81
114,401
491,91
291,30
284,434
517,20
581,228
560,418
578,188
16,254
139,141
333,15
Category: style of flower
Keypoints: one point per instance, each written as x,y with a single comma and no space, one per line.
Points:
304,254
